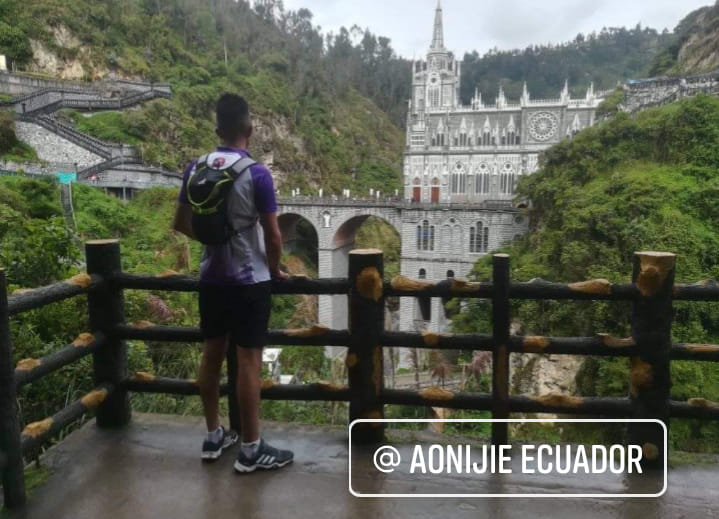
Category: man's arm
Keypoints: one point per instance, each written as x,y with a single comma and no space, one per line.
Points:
183,220
273,244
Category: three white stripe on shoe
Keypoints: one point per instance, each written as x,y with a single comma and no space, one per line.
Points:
265,459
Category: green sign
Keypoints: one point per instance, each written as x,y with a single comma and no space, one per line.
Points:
66,178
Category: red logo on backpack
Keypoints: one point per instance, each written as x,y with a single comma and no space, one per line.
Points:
218,162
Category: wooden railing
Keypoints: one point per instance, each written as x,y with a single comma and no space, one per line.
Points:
651,292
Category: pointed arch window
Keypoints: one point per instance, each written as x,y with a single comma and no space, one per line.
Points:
425,236
459,180
486,138
481,186
507,180
478,238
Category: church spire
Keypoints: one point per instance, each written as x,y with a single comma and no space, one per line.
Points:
438,36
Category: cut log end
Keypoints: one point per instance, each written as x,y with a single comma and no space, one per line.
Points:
369,284
37,429
366,252
436,393
555,400
535,344
305,333
81,280
650,451
28,364
654,267
93,399
102,242
593,287
615,342
83,340
430,338
168,274
405,284
703,402
641,376
142,376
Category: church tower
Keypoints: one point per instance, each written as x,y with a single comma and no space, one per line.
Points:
435,82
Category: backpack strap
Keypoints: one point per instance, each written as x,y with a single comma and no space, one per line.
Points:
237,170
202,161
242,165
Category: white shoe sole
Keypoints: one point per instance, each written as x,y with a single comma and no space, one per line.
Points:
244,469
213,455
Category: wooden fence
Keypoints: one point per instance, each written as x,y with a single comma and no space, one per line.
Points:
651,292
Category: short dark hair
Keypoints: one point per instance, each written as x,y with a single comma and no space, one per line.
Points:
233,116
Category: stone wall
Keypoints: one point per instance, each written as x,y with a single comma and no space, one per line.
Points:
656,92
53,148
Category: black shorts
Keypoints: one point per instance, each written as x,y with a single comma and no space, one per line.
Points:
242,312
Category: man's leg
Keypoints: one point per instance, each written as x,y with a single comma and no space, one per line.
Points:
253,313
213,356
249,367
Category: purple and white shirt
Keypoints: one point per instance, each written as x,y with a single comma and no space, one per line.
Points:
243,259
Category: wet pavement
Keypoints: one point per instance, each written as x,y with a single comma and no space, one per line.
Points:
152,469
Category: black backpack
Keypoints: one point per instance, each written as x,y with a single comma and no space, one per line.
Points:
207,190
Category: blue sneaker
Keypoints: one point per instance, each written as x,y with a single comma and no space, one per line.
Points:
213,450
266,458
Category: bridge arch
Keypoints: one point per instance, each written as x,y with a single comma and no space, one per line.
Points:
336,223
294,228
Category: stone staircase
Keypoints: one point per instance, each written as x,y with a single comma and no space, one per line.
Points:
66,202
40,105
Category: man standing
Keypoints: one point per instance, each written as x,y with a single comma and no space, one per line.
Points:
235,291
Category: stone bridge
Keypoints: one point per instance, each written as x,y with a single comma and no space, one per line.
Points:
437,241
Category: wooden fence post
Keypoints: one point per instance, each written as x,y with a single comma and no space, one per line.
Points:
107,310
500,352
365,365
650,380
12,469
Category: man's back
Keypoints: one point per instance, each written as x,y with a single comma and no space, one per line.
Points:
242,260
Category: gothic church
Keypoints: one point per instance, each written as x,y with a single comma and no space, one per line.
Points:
475,153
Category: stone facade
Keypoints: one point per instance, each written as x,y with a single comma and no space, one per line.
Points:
436,242
640,94
476,152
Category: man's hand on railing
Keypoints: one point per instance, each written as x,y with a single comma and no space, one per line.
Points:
280,275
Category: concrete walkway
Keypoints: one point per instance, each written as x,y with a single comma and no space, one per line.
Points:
152,470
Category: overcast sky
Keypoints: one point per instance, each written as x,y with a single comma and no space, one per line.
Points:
484,24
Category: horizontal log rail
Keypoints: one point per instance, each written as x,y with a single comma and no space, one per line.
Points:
37,433
30,370
649,347
172,282
317,391
23,300
401,286
602,345
314,336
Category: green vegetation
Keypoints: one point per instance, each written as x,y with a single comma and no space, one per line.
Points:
378,234
604,58
693,46
12,148
37,249
108,126
631,184
610,104
309,105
